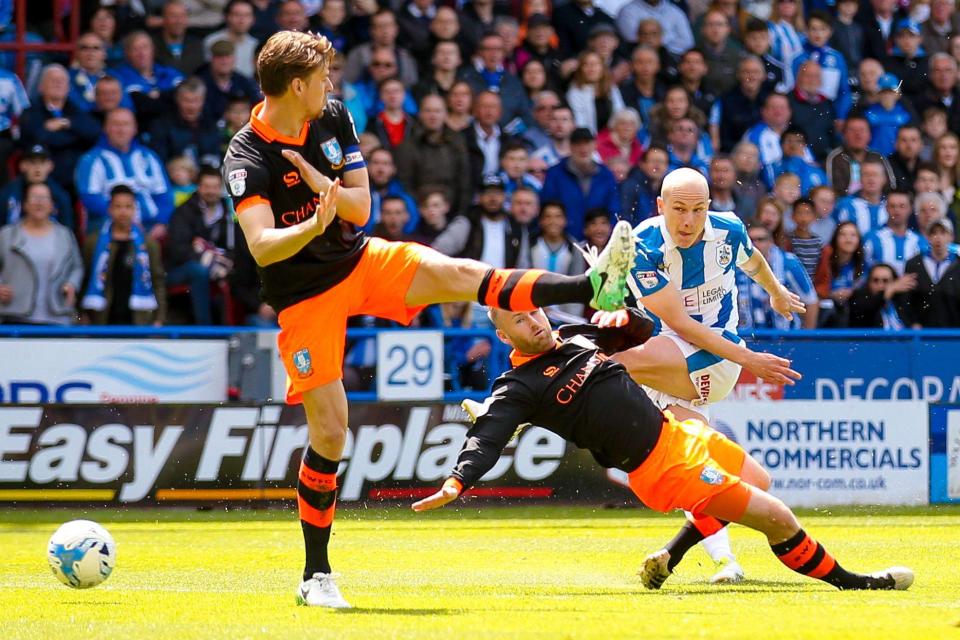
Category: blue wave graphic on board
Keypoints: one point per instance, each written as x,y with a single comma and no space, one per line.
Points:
151,369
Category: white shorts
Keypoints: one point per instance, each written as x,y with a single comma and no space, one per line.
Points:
712,377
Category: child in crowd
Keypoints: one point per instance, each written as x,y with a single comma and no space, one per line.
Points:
933,126
805,244
183,176
887,116
786,190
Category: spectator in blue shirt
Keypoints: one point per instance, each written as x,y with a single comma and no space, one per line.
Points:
766,134
58,124
149,85
119,159
888,115
89,66
754,303
894,244
867,208
796,160
835,76
581,183
683,142
13,102
224,84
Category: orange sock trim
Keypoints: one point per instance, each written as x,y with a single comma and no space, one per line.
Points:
521,299
497,281
826,566
706,525
314,516
317,481
801,554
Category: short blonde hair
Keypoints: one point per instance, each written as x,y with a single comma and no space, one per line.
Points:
288,55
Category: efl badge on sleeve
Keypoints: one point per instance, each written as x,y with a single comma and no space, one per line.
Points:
724,254
238,181
647,279
301,360
332,152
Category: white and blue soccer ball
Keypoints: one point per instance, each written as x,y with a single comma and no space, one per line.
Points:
81,554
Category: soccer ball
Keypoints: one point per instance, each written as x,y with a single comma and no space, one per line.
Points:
81,554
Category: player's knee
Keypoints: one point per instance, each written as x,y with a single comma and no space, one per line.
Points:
762,480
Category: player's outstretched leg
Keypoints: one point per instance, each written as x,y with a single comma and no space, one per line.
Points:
757,509
702,528
326,412
443,279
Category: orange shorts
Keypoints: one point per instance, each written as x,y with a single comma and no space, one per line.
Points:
689,466
313,331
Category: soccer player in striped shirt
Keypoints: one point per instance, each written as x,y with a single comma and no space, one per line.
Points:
685,278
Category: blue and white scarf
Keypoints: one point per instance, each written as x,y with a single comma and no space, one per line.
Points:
141,298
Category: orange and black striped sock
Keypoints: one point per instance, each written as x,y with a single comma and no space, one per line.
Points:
529,289
805,555
317,502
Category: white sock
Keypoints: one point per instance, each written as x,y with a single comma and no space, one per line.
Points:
717,546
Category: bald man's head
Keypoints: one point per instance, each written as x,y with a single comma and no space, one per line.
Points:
683,202
684,181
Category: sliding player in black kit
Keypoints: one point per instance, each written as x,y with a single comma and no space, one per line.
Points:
566,382
300,188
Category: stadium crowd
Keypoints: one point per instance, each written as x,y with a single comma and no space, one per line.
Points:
509,132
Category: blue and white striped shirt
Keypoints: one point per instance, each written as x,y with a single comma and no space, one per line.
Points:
868,217
104,167
13,98
883,245
704,273
785,42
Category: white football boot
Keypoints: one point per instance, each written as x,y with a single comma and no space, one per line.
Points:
901,576
730,572
321,591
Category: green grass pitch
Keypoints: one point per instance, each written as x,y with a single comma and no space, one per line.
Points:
479,571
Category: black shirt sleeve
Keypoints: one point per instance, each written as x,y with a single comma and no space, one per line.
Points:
247,179
510,406
346,131
610,340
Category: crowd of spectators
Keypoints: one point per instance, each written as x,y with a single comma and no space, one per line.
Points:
510,132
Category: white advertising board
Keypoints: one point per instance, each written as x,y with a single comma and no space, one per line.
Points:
833,453
112,371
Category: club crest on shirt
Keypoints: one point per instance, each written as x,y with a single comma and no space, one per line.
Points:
238,181
724,254
711,476
301,360
332,152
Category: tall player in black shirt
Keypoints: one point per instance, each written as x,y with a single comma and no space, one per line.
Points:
566,382
300,189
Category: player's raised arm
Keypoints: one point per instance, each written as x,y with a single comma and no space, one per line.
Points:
495,422
665,304
353,200
782,300
269,244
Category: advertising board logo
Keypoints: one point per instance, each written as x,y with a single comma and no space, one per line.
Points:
149,370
